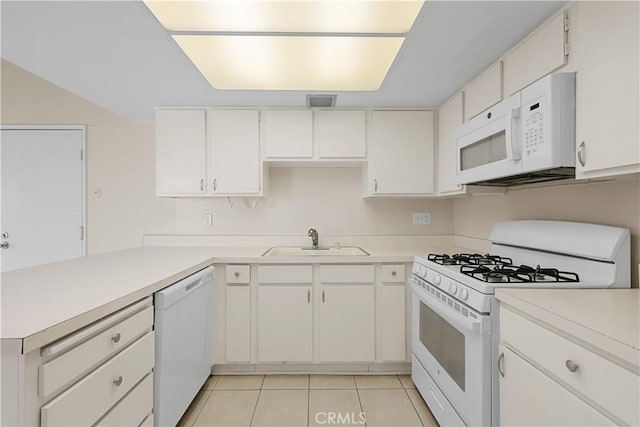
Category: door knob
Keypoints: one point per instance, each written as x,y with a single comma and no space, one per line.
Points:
4,245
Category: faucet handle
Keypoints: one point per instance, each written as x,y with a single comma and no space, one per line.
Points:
312,231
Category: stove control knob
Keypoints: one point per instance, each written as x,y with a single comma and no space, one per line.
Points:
463,294
423,272
436,280
453,288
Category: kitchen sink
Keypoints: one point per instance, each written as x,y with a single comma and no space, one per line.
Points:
284,251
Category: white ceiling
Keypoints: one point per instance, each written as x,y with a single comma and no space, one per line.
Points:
115,54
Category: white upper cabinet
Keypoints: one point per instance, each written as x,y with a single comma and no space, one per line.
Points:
234,153
483,92
606,51
180,152
400,153
538,55
449,118
340,133
287,134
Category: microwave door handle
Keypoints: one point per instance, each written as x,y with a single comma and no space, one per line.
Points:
513,135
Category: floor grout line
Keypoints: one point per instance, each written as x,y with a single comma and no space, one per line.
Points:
202,407
414,407
360,402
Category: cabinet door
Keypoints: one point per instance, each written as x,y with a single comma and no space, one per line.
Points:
530,398
540,54
287,133
449,118
180,152
483,92
347,323
285,333
234,154
400,151
606,49
238,320
341,134
392,323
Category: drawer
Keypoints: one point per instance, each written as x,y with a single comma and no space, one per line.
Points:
393,273
285,274
90,398
75,363
240,274
133,409
610,386
347,273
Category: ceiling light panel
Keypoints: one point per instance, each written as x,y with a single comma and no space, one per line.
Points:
291,63
289,16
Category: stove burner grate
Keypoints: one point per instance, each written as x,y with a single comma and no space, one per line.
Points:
474,259
518,274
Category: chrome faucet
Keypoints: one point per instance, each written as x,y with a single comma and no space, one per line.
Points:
314,237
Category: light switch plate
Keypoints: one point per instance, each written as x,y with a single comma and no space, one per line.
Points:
421,218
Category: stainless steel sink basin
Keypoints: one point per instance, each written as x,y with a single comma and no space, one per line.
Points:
284,251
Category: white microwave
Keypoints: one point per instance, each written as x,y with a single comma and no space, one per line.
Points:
527,138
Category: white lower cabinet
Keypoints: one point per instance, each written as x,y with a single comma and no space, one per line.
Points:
101,374
238,323
549,378
285,331
529,397
347,319
312,314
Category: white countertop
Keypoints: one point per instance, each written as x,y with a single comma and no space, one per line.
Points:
605,318
44,303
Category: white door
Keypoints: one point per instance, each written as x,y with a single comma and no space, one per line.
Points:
347,323
42,196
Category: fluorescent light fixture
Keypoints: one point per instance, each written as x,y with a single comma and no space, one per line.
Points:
290,16
292,62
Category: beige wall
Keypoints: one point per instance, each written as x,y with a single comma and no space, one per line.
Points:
328,199
612,203
120,159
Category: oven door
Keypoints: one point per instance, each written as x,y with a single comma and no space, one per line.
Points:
454,346
488,146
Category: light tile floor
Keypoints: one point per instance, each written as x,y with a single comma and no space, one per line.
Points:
308,400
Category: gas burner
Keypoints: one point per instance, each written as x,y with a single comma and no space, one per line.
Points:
518,274
463,258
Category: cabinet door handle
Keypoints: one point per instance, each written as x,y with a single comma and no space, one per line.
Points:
375,185
116,337
308,295
201,185
500,360
571,365
117,381
581,154
393,273
323,296
236,274
215,185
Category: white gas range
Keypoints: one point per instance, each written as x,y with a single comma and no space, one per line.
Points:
455,316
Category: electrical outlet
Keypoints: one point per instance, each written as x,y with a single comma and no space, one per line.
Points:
207,220
421,218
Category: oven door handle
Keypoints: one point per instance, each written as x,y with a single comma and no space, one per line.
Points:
453,317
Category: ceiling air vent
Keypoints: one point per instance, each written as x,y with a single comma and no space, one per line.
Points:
321,100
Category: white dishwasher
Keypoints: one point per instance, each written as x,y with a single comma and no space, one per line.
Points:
184,344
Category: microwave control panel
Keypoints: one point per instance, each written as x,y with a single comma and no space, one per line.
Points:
533,127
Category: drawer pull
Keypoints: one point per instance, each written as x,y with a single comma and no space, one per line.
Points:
571,365
237,274
500,360
393,273
116,337
117,381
